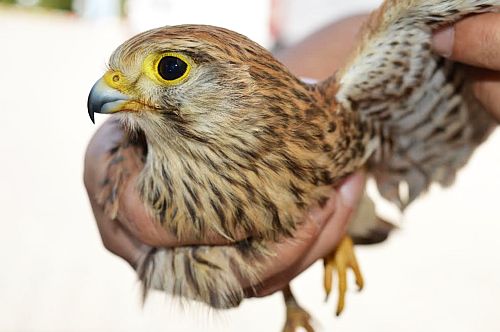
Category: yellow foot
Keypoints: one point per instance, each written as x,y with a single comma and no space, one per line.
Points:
296,317
341,259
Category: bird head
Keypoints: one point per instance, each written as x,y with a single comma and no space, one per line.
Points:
193,80
229,130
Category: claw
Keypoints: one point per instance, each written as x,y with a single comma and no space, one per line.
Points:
341,259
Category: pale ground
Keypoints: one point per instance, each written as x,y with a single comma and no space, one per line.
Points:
441,272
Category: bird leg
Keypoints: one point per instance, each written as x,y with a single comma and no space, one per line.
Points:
342,258
296,316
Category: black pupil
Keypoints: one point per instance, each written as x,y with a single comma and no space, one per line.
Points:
171,68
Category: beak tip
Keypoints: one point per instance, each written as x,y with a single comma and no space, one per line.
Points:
90,112
90,108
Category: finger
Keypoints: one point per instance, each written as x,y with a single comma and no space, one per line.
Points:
335,228
474,40
116,238
289,262
486,86
289,252
350,194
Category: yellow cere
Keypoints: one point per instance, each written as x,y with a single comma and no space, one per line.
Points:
116,80
150,68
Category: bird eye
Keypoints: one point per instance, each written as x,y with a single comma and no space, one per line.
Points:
172,68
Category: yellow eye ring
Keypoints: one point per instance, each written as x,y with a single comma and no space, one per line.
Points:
167,68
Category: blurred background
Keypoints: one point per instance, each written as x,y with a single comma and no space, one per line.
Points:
439,272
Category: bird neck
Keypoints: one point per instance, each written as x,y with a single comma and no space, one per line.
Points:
349,136
327,91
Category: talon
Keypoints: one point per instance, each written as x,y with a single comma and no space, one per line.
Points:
328,277
341,259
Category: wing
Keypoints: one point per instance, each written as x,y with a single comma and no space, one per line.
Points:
418,105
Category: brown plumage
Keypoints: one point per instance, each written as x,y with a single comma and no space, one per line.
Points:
240,145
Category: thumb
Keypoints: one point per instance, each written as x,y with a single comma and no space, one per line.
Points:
474,40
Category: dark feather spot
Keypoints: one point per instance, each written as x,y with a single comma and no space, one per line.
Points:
296,191
193,193
190,276
332,127
322,201
221,215
327,148
273,210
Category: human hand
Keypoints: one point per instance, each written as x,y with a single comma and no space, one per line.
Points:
132,234
475,41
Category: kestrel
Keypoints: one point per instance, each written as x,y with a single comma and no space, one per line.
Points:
233,143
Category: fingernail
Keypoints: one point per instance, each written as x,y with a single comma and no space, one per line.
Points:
351,190
442,41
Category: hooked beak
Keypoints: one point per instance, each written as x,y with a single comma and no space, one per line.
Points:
105,99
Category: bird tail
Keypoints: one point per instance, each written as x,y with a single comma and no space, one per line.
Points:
210,274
